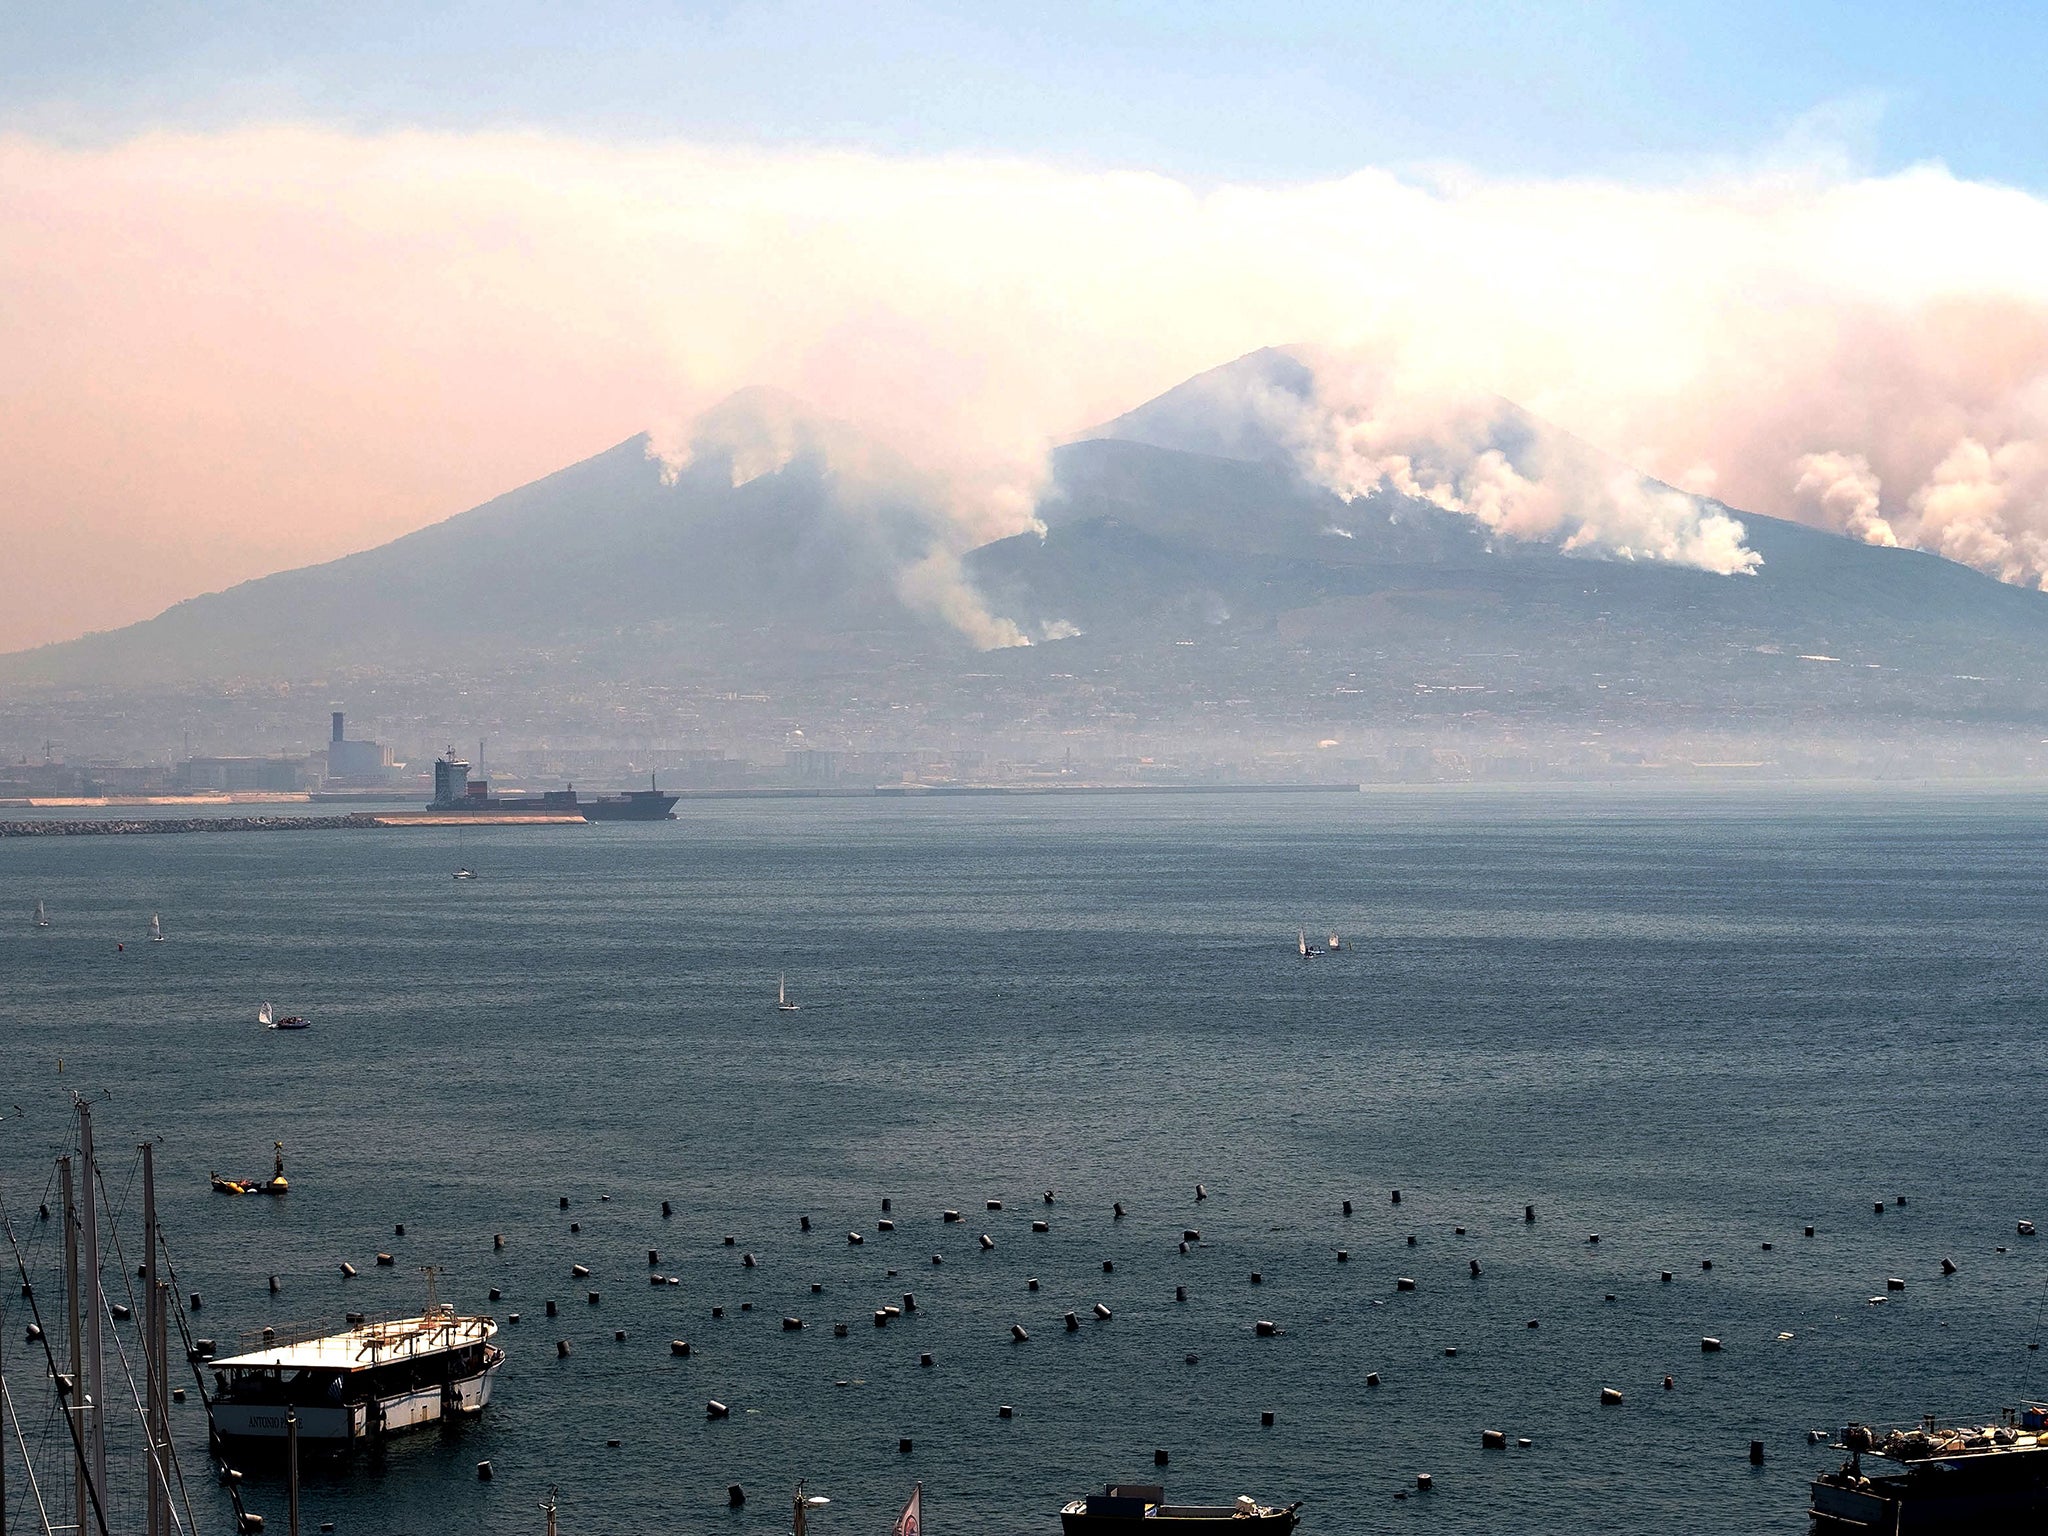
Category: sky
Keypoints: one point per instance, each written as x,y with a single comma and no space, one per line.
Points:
277,283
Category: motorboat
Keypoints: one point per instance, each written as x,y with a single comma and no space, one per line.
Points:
1140,1509
267,1017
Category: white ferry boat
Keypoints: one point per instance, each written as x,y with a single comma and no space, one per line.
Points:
374,1379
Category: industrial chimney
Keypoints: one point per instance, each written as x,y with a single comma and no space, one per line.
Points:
337,725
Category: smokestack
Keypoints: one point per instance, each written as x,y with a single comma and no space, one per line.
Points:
337,725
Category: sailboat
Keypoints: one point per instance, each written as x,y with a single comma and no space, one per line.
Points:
156,929
784,1003
267,1017
42,917
1308,950
465,873
114,1463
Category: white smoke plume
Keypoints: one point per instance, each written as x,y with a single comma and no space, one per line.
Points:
759,432
1841,491
1361,428
232,351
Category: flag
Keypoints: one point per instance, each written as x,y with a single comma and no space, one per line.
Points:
911,1521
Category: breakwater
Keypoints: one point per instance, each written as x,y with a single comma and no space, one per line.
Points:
67,827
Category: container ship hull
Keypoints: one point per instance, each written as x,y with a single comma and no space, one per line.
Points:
634,805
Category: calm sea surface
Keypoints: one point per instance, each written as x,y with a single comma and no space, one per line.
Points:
1692,1023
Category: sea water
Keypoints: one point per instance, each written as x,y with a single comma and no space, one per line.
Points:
1690,1022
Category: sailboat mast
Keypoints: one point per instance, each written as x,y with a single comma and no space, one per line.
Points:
95,1359
158,1501
78,1480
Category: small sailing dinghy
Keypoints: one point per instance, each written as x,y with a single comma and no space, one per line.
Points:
1308,950
156,929
465,873
267,1017
784,1003
42,917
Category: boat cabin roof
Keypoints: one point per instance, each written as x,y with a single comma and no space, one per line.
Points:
368,1345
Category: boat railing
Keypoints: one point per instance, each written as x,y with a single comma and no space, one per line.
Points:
258,1340
385,1333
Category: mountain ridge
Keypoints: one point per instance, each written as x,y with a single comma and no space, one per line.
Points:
753,556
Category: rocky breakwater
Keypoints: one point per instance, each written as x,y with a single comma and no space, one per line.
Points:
69,827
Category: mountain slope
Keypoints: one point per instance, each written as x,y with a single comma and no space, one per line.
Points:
1186,556
594,554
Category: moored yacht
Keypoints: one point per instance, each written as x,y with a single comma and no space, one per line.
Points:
370,1380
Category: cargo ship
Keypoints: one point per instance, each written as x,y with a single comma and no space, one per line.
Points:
371,1380
455,791
1938,1480
648,804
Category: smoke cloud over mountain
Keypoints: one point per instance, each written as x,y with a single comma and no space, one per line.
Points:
1355,427
922,521
228,352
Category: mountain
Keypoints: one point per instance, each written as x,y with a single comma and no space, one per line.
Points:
616,553
1195,567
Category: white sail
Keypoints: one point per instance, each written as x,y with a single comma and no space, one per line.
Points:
781,989
156,927
265,1016
1304,941
42,917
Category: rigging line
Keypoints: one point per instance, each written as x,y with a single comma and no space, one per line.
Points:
114,1210
27,1465
50,1355
128,1289
213,1440
2027,1365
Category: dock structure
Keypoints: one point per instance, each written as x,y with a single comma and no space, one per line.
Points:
352,821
